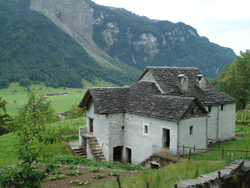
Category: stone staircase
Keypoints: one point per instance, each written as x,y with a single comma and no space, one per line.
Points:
162,158
96,149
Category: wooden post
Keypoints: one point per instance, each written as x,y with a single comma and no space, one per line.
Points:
189,154
194,151
218,174
175,185
119,183
183,150
222,151
147,185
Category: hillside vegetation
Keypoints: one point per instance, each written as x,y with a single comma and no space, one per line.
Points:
32,48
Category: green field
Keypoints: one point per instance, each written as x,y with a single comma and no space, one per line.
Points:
59,103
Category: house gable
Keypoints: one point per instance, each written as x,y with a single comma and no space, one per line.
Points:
195,110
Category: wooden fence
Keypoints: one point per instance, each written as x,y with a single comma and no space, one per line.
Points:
210,149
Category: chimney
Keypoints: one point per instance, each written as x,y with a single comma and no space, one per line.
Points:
201,81
183,82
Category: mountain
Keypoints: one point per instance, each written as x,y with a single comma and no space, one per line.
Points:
80,39
32,48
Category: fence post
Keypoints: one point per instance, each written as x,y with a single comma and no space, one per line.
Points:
175,185
194,151
183,150
189,154
147,185
119,183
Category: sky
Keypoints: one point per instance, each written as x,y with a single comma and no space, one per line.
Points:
224,22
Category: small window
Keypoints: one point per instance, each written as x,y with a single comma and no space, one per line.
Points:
221,107
122,127
209,108
199,78
145,129
191,130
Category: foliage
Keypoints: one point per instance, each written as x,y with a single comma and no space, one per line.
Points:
74,112
73,172
243,115
57,177
69,126
72,166
94,169
235,80
98,176
78,182
4,118
29,128
83,161
38,107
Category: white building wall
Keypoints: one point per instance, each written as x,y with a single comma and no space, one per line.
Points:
227,121
143,145
197,136
100,130
116,130
221,123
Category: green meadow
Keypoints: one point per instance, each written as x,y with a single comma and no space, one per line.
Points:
59,103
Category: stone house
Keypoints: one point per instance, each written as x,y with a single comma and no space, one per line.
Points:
166,108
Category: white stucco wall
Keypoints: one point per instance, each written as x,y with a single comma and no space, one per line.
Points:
198,137
143,145
116,132
100,129
221,123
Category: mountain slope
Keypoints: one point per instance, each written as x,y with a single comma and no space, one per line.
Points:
110,34
34,48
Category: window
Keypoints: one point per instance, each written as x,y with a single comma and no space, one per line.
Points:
191,130
209,108
221,107
145,129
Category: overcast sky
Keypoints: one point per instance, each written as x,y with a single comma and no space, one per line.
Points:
224,22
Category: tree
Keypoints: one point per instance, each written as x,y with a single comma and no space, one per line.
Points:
30,128
235,80
74,112
4,118
39,107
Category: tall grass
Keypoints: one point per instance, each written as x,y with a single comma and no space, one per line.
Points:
168,176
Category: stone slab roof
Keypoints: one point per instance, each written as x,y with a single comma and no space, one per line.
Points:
142,98
167,79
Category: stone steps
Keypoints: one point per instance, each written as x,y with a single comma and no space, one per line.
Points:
96,149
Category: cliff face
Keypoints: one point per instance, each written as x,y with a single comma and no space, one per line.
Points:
116,37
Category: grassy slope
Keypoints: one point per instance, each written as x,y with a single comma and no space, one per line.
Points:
59,103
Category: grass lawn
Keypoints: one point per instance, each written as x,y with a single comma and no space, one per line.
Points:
8,141
240,130
58,103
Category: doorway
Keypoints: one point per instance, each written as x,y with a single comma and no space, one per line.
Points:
166,138
117,153
129,155
91,127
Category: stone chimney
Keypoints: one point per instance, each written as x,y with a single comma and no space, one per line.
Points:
183,82
201,81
